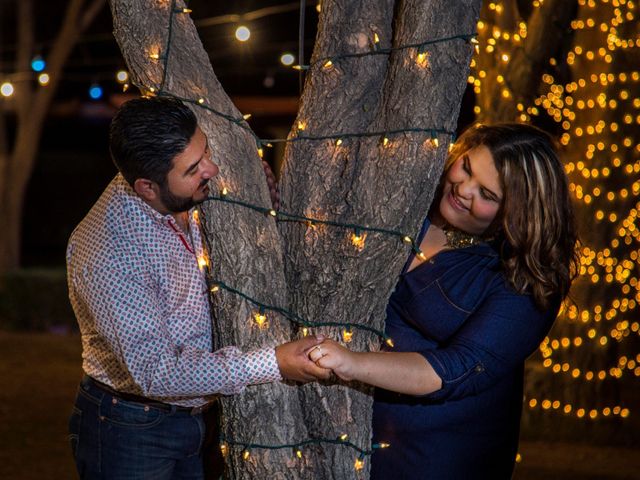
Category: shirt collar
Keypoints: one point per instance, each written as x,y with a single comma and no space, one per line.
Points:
124,190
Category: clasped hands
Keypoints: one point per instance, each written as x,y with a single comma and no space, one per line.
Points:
314,358
331,355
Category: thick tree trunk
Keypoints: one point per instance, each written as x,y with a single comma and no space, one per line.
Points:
365,181
317,182
244,246
362,181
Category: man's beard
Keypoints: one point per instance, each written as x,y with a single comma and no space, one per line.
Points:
175,203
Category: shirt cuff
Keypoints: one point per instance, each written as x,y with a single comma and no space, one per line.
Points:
261,366
456,376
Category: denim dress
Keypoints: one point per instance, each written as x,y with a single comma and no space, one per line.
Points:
459,312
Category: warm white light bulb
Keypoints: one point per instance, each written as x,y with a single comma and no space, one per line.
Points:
287,59
347,335
122,76
243,33
6,89
43,79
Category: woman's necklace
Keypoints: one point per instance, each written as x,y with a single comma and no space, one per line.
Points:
459,239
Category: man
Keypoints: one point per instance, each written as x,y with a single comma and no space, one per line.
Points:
142,307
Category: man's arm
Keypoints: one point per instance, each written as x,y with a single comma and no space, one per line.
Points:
129,320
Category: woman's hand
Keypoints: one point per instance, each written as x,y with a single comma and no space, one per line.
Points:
403,372
332,355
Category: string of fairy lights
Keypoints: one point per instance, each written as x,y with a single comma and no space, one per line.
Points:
262,322
359,231
564,104
606,321
297,448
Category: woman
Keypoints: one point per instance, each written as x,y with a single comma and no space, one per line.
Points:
499,256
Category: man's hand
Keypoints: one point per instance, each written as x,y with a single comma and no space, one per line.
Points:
294,362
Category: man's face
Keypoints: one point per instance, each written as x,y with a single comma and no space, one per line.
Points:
187,181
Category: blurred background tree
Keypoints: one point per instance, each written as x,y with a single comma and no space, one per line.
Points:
572,67
28,103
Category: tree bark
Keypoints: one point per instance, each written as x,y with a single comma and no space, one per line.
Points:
322,276
244,246
31,108
363,181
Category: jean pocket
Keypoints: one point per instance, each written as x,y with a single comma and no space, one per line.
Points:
131,414
74,429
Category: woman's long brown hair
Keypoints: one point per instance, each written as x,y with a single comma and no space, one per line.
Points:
535,222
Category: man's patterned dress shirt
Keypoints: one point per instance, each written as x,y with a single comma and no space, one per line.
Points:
142,305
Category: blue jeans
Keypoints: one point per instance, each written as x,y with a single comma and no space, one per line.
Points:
114,439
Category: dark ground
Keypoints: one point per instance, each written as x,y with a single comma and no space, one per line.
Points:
38,379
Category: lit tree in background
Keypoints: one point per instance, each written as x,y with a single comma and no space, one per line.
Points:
572,67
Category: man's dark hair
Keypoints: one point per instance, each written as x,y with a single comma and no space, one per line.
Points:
147,134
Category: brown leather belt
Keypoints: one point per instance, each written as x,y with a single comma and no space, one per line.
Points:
131,397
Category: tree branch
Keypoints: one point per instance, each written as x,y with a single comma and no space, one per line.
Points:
24,94
90,14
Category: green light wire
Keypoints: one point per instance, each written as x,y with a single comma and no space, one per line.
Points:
311,441
294,318
386,51
303,219
241,122
341,136
165,56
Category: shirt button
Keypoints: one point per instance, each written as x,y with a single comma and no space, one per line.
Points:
114,401
479,368
146,408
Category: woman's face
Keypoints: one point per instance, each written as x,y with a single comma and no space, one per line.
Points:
471,191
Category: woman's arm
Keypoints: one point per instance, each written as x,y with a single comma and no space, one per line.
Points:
402,372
